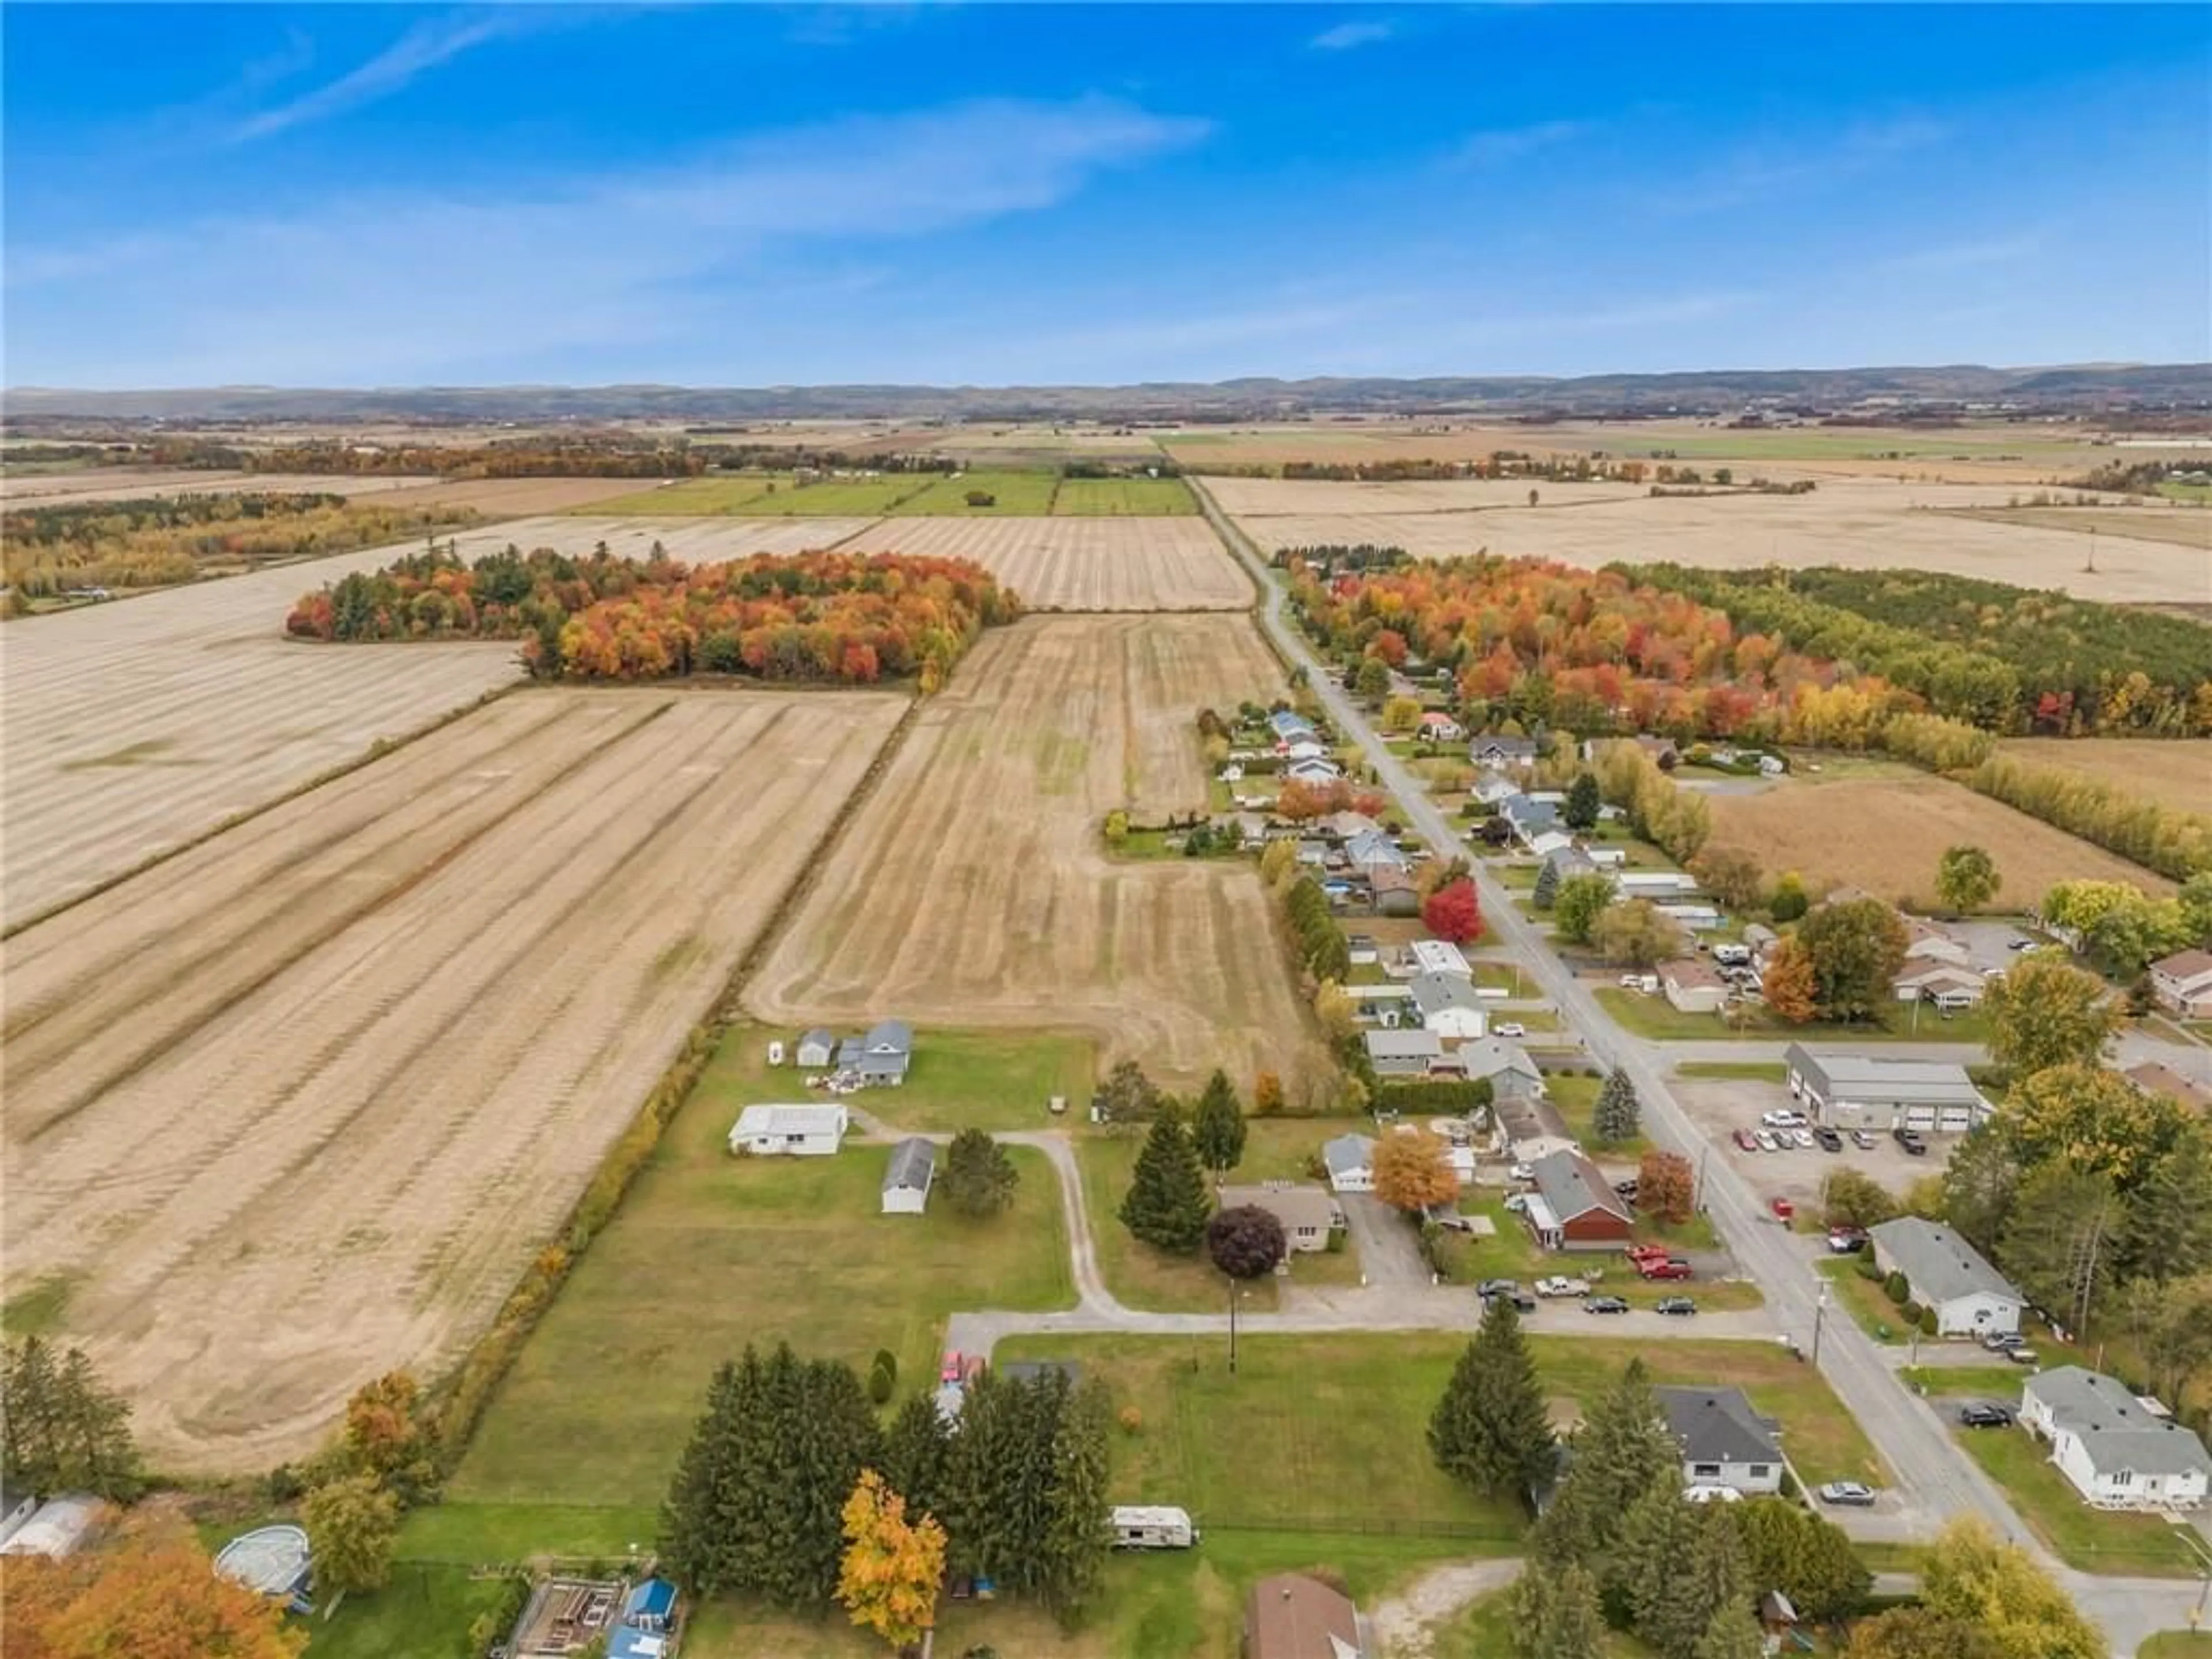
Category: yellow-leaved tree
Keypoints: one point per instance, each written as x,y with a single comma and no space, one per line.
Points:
892,1567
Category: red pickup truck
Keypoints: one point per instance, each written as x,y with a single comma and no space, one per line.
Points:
1663,1267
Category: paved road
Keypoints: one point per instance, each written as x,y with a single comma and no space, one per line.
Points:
1934,1478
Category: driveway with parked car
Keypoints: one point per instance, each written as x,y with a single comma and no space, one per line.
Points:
1756,1126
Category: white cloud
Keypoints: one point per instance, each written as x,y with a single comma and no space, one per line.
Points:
1347,36
1512,144
380,287
422,48
1962,256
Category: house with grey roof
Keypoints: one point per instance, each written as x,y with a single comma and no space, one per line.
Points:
1374,849
1404,1053
1308,1214
1943,1271
1351,1163
1861,1091
1568,861
881,1056
1574,1206
817,1048
2120,1452
803,1129
1490,751
1724,1441
1527,817
908,1177
1512,1074
1448,1005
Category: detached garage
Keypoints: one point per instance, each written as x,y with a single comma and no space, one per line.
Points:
1856,1092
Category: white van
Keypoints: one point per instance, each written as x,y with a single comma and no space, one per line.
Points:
1153,1527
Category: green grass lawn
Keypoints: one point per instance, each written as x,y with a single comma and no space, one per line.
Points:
1119,498
773,495
1575,1097
1654,1017
1014,496
2094,1540
709,1253
1486,1629
1870,1309
2177,1644
423,1610
1735,1070
1999,1383
716,493
984,1079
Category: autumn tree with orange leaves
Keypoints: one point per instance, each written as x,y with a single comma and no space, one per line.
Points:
1412,1172
153,1595
892,1567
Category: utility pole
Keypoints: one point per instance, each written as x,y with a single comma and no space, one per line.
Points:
1819,1314
1232,1328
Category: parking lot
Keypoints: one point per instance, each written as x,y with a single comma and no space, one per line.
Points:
1721,1106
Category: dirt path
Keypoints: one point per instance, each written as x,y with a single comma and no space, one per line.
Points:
1404,1625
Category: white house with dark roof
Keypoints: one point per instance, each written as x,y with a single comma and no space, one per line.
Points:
1943,1271
1528,818
908,1175
1492,750
1724,1441
2183,983
1351,1163
2119,1452
1447,1005
1512,1074
1404,1053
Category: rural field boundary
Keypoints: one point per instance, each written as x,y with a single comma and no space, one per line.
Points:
375,751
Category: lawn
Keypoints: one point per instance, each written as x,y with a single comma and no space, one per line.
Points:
1511,1254
984,1079
707,1253
1655,1018
2177,1644
1306,1420
1485,1629
1121,498
2000,1383
2094,1540
1740,1070
1869,1307
423,1610
1014,496
1575,1097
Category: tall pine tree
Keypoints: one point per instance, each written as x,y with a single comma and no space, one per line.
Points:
1168,1203
692,1544
916,1454
1733,1633
1618,1118
1704,1579
1639,1571
1491,1430
1556,1614
1620,1452
1217,1128
1072,1556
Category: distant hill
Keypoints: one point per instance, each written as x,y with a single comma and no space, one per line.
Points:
2081,388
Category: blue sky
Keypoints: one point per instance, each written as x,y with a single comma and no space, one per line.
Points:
992,194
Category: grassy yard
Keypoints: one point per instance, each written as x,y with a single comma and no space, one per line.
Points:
1119,498
2177,1644
709,1253
2000,1383
1511,1254
1739,1071
1654,1017
2091,1539
423,1610
986,1079
1870,1309
771,496
1014,495
1575,1097
1486,1629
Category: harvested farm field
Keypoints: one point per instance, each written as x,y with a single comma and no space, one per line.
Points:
974,888
695,540
2173,774
131,483
1885,835
513,497
134,726
297,1108
1083,564
1856,523
1267,498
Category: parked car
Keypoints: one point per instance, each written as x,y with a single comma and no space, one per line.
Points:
1769,1141
1517,1202
1490,1287
1556,1285
1670,1268
1829,1140
1863,1140
1848,1494
1521,1172
1784,1117
2022,1356
1911,1141
1510,1028
1981,1415
1785,1211
1605,1304
1803,1137
1676,1304
1748,1141
2002,1340
2020,944
949,1371
1847,1241
1628,1188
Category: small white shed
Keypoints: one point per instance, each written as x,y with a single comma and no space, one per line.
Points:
907,1179
803,1130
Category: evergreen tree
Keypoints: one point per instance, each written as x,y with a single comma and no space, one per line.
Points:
1621,1451
1072,1556
979,1180
1556,1614
62,1431
1547,892
2169,1224
1733,1633
1168,1202
838,1437
691,1546
1704,1581
1218,1126
1806,1556
1491,1430
1641,1573
1619,1117
916,1454
1583,801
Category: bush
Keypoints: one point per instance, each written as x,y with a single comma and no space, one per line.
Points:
1869,1272
1456,1097
1931,1325
1131,1420
881,1386
1912,1310
887,1362
1897,1290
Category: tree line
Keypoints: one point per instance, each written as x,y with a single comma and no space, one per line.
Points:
825,617
2003,658
157,541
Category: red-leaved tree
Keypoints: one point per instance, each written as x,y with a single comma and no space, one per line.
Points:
1453,912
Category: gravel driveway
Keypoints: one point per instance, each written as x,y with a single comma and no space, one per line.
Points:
1389,1250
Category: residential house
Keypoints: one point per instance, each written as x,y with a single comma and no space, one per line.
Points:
1351,1163
1503,751
1574,1206
1345,825
1693,985
1695,914
17,1506
1859,1091
1930,942
817,1050
1724,1441
1308,1214
1549,841
1287,726
906,1178
1314,854
1655,883
1494,788
1292,1616
1943,1271
1526,818
1395,891
1567,862
1437,956
806,1130
1312,771
882,1056
2153,1078
1447,1005
1606,858
1512,1074
2118,1451
1304,749
1372,849
1404,1053
2182,983
1949,987
1440,728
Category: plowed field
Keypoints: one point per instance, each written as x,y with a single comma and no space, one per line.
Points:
296,1107
973,889
1083,564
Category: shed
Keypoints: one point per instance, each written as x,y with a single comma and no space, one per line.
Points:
1351,1161
817,1048
17,1506
908,1176
1293,1616
57,1528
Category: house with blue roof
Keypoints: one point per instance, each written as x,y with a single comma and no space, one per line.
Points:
647,1616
